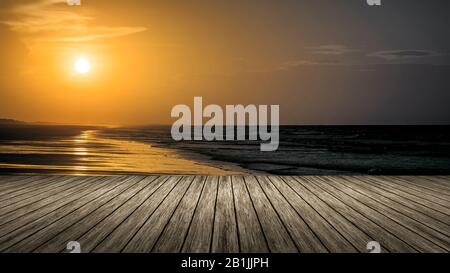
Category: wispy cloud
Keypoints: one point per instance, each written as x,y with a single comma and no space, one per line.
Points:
331,49
50,18
293,64
398,55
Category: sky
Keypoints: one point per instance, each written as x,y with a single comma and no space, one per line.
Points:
322,61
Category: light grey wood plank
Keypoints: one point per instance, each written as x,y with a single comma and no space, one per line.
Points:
420,186
119,238
199,237
21,228
172,238
69,216
367,183
106,226
411,196
58,185
10,213
414,239
423,214
22,186
225,233
375,231
278,238
84,225
144,240
251,236
327,224
398,215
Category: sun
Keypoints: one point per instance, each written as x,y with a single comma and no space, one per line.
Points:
82,66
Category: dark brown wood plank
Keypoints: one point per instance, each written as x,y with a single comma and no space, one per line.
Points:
122,234
172,238
225,233
375,231
251,236
199,237
327,224
144,240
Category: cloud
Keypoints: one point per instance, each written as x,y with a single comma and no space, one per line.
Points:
331,49
47,19
293,64
395,55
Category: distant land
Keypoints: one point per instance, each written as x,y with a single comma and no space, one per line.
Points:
10,121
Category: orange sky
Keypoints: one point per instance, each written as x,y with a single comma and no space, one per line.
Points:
148,56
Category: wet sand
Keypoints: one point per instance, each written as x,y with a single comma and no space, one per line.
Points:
90,154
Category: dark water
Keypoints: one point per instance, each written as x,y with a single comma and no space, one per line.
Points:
322,150
303,150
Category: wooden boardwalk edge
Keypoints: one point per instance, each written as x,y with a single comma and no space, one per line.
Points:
228,214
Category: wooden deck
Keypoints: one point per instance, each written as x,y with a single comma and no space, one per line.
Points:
224,214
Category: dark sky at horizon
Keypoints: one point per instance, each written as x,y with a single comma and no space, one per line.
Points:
322,61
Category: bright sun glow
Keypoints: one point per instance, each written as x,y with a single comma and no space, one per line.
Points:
82,66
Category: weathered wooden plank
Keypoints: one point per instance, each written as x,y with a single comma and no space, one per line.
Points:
421,213
302,234
84,225
438,181
199,237
413,239
419,186
327,224
119,238
225,233
15,181
69,217
251,236
224,214
59,185
148,234
100,231
400,216
413,197
10,213
8,179
278,238
375,231
25,186
172,238
425,182
21,228
366,183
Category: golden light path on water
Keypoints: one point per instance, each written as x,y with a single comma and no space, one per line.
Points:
91,154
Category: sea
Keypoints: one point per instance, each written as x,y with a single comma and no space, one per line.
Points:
303,150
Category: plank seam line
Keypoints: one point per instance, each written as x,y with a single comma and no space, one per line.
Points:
99,207
159,204
171,215
193,214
